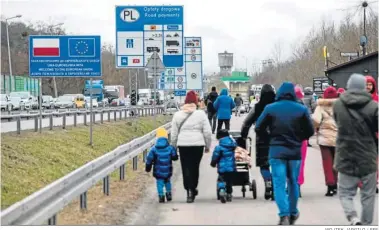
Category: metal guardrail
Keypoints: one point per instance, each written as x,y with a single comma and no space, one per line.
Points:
46,203
136,111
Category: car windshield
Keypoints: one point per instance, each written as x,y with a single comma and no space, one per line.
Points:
23,95
15,99
65,99
46,98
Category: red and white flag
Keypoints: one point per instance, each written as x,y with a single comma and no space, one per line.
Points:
46,47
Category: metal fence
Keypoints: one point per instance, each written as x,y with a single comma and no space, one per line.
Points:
105,113
46,203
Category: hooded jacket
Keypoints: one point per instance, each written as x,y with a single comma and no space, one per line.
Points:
161,157
309,100
323,120
374,93
289,124
262,139
238,100
224,105
210,101
223,155
356,116
195,131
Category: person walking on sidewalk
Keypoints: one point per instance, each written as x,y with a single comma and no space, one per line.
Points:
289,125
212,113
224,105
238,101
326,127
262,139
309,102
304,145
191,133
356,116
161,156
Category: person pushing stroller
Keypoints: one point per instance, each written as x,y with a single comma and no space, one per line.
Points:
224,158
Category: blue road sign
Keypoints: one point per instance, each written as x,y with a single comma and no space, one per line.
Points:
94,82
180,93
64,56
141,30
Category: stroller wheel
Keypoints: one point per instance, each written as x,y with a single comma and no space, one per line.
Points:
254,189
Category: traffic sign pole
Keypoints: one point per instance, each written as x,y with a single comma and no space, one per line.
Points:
90,112
40,105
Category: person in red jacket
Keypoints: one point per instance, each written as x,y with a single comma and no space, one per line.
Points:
371,88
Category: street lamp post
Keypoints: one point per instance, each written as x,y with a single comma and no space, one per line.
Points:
9,49
54,82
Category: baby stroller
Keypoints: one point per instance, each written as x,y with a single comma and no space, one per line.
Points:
242,176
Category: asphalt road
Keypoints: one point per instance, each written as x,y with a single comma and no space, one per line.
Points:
57,121
315,208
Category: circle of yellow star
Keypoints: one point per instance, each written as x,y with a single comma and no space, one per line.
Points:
77,47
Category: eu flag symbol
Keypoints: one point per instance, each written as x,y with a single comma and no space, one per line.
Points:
81,47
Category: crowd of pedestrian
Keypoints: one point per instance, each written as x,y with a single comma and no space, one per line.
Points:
345,124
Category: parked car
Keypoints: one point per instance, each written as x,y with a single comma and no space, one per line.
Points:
65,102
15,103
4,102
30,101
47,102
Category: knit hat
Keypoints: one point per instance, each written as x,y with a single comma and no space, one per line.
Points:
299,92
356,81
162,132
330,92
222,133
191,98
340,90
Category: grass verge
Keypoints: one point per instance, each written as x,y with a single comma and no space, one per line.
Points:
31,160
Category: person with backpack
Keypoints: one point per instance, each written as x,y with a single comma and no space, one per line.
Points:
191,134
212,113
356,116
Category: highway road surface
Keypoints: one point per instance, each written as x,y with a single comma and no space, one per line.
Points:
57,121
315,208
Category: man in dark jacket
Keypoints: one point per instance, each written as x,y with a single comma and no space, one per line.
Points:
356,116
238,101
289,125
224,105
212,113
309,100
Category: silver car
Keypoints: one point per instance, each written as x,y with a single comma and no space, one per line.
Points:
65,102
16,103
47,102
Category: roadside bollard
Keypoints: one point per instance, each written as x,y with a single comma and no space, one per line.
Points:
64,121
35,124
19,125
85,118
75,119
51,121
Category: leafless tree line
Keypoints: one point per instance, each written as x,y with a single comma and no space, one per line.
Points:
307,59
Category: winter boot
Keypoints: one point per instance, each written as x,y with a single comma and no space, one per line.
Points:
161,199
229,197
355,221
222,195
169,196
268,190
293,219
376,190
284,220
190,196
334,189
196,192
330,191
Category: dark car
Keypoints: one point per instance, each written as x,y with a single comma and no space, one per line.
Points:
152,49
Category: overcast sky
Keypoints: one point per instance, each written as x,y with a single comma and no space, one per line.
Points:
247,28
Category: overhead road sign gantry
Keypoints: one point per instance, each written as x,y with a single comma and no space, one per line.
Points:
142,30
64,56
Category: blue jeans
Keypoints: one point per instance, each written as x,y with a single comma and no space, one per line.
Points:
286,171
161,183
266,174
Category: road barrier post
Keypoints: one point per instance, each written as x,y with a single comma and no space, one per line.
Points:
75,119
83,201
135,163
114,115
120,114
19,125
85,118
109,116
64,121
51,121
52,220
122,172
101,117
144,155
35,124
106,185
126,113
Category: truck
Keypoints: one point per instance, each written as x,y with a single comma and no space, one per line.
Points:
115,93
97,90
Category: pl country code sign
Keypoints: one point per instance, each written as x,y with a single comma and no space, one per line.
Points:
64,56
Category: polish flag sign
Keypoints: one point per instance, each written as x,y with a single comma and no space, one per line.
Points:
46,47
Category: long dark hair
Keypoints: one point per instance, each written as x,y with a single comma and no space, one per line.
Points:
267,97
